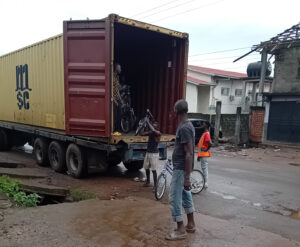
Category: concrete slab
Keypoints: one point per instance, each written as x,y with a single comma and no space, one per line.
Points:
23,172
4,202
42,189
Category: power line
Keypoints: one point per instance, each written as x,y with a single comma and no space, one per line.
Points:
173,7
219,58
250,60
236,49
157,7
190,10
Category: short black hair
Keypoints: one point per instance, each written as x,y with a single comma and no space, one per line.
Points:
181,106
207,124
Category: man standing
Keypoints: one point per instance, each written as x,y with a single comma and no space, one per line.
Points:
183,162
203,146
152,156
117,97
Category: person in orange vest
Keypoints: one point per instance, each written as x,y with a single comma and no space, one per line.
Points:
203,151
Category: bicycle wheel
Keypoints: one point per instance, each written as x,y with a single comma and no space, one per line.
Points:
125,124
161,186
197,181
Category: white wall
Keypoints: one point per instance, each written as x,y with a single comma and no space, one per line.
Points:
229,106
192,96
203,99
200,76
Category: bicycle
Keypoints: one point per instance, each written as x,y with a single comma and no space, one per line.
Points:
196,178
128,118
143,122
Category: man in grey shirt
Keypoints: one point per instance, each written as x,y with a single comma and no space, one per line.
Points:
183,162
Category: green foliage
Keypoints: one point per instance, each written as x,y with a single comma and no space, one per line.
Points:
10,187
79,195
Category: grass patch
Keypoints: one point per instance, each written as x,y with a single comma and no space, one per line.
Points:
79,195
10,187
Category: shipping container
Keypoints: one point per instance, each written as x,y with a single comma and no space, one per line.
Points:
60,89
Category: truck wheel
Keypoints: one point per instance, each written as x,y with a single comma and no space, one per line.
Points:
134,165
4,145
76,161
40,148
57,156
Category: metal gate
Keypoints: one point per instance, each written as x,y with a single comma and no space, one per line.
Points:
284,121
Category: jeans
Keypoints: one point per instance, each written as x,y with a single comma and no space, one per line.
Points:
179,197
204,168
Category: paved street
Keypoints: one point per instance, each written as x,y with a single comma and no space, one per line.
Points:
262,195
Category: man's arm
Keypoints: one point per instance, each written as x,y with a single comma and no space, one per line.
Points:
145,133
156,132
188,148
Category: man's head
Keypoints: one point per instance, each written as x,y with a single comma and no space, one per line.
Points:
117,68
181,107
156,125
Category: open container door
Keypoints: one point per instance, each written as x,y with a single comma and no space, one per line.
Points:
87,77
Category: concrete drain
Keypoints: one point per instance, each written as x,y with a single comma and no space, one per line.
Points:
11,165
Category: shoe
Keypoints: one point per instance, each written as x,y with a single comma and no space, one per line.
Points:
205,185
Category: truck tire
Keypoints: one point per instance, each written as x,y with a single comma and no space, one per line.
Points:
40,148
76,161
4,145
134,165
57,156
114,161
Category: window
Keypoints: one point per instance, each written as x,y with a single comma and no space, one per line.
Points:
225,91
238,92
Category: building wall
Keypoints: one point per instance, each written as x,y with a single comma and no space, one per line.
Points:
228,124
203,99
192,96
229,104
287,71
200,76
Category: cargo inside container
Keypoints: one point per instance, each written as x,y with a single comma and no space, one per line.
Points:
153,64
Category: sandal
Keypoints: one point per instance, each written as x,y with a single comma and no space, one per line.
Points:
173,236
190,229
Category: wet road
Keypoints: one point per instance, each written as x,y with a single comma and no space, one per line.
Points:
264,195
258,191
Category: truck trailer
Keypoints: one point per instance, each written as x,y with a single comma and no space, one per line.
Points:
57,94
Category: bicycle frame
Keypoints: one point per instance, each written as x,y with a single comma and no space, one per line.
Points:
167,168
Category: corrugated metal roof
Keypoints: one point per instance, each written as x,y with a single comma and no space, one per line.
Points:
217,72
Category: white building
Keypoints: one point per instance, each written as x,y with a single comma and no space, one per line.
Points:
205,86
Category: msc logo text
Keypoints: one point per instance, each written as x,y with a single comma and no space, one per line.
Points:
22,87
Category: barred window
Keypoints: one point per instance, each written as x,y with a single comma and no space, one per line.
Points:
225,91
238,92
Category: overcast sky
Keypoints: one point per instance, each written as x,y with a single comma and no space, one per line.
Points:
213,25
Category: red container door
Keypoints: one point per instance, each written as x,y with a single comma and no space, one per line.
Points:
87,77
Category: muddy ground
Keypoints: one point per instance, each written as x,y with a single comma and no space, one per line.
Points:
126,213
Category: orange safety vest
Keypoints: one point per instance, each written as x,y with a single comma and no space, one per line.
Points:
200,144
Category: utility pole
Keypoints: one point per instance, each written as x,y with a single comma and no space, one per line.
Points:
217,121
263,71
237,125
